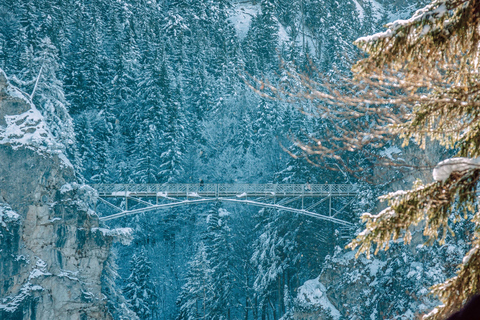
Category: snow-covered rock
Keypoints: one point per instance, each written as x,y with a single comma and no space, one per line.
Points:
313,294
46,229
7,215
22,125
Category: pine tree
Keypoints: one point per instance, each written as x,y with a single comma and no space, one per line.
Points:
117,161
173,138
140,290
30,21
143,126
275,256
126,73
86,75
262,38
197,290
208,293
116,303
10,37
146,163
219,250
102,134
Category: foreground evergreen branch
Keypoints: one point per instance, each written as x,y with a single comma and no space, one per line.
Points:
431,62
466,283
433,203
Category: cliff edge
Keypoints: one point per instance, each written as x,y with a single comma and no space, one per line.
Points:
52,251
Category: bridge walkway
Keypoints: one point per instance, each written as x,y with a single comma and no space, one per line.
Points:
259,195
225,190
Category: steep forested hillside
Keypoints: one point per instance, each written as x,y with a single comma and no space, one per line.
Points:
146,91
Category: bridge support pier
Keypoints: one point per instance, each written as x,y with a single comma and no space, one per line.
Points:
330,206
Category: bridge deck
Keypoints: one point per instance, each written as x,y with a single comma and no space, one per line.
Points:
186,190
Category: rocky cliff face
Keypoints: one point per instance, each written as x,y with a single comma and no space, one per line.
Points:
52,251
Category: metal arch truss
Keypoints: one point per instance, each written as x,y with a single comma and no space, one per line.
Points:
274,196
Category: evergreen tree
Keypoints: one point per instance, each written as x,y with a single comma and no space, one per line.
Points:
140,290
334,25
262,38
10,37
30,22
219,249
126,75
117,162
146,166
116,303
197,290
173,139
275,256
145,122
208,291
86,76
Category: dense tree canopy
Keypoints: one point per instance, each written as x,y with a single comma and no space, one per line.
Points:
155,93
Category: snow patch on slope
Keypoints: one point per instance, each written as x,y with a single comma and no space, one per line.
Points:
361,12
282,34
313,293
390,151
241,17
377,9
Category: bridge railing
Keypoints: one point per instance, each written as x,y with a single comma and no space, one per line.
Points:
224,189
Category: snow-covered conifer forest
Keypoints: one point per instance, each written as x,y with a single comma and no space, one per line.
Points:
173,91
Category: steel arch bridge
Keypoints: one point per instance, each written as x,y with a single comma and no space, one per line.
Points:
304,199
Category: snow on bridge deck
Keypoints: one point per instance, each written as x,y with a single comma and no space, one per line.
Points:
186,190
259,195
